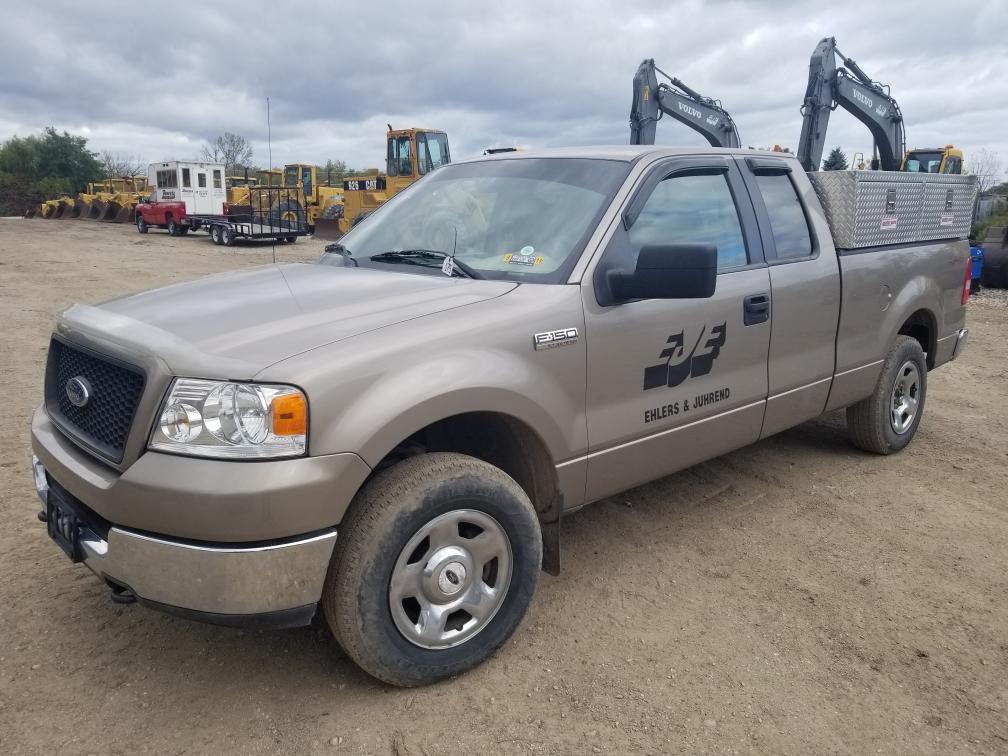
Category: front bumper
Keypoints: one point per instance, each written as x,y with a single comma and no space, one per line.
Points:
274,584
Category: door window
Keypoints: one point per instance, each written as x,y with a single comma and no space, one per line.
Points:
306,182
405,166
432,151
201,180
216,178
186,179
787,218
696,208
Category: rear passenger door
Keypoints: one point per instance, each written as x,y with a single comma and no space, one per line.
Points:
673,382
805,282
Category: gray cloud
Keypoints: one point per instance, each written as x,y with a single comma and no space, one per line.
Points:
158,81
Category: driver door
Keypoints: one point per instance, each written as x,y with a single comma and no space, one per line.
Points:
674,382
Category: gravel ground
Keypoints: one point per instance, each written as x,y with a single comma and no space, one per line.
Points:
796,596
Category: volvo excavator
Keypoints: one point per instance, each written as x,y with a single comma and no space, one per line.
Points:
651,100
849,87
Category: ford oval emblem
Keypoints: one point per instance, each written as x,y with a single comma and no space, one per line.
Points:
78,391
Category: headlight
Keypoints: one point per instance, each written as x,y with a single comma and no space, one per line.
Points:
232,420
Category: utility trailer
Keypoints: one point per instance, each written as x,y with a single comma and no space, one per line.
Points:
272,212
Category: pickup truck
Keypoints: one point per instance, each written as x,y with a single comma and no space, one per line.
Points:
390,436
160,214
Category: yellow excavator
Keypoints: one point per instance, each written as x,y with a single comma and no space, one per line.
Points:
947,159
410,154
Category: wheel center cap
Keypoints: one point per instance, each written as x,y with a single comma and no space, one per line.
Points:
452,578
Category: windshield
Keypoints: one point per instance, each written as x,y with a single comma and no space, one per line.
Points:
432,150
521,219
923,162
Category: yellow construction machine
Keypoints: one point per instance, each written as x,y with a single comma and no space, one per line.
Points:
113,199
947,159
410,155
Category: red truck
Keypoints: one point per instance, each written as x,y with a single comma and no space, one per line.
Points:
182,189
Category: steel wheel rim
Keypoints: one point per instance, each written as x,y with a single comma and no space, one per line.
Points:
904,399
450,579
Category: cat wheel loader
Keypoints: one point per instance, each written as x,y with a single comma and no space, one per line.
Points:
410,155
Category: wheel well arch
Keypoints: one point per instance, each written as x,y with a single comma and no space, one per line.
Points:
922,326
168,215
496,438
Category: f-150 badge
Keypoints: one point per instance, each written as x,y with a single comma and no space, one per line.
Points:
669,374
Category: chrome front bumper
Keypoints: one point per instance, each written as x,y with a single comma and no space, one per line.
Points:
228,584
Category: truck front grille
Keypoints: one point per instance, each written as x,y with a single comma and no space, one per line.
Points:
103,422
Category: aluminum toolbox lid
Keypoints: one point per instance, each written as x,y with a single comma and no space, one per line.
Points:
877,208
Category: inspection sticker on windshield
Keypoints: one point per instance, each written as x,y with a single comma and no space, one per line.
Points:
448,266
526,257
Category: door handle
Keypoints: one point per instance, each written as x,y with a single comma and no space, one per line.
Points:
756,309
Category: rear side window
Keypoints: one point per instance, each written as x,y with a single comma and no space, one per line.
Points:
692,208
787,219
216,178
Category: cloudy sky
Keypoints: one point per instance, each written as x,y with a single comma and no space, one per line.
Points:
158,80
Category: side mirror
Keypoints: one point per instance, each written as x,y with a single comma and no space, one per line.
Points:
668,271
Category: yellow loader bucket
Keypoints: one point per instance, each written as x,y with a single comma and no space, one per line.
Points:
97,209
327,228
125,215
82,208
46,210
110,211
67,209
58,210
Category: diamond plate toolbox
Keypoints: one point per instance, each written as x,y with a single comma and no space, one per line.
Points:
875,208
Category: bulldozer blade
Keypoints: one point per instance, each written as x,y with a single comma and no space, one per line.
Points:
97,209
110,212
326,228
30,212
68,210
82,209
58,211
46,211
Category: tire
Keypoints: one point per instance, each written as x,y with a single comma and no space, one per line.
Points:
141,224
290,239
173,227
227,237
878,424
183,230
382,535
288,208
215,234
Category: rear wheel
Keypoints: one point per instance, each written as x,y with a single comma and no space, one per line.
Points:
290,239
886,421
173,227
436,564
227,237
215,234
141,224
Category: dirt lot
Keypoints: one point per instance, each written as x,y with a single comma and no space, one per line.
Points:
797,596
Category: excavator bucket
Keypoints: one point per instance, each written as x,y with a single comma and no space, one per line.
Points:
110,211
97,209
327,228
46,210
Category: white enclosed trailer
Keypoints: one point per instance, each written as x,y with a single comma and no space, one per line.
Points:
200,186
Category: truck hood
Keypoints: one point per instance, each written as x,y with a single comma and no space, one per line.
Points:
232,325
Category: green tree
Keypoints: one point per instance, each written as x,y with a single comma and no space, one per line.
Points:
334,171
43,166
837,161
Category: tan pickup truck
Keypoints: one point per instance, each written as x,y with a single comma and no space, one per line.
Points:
391,436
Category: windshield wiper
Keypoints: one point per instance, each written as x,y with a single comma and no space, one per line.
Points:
416,256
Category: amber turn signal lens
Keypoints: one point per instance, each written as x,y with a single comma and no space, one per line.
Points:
290,415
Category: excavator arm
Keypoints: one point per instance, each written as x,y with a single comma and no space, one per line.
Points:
857,93
651,100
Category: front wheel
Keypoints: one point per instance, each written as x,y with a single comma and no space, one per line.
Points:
435,566
215,235
886,421
141,224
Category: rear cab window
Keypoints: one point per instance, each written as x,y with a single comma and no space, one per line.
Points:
788,224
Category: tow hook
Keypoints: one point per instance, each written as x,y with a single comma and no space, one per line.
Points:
122,595
42,516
